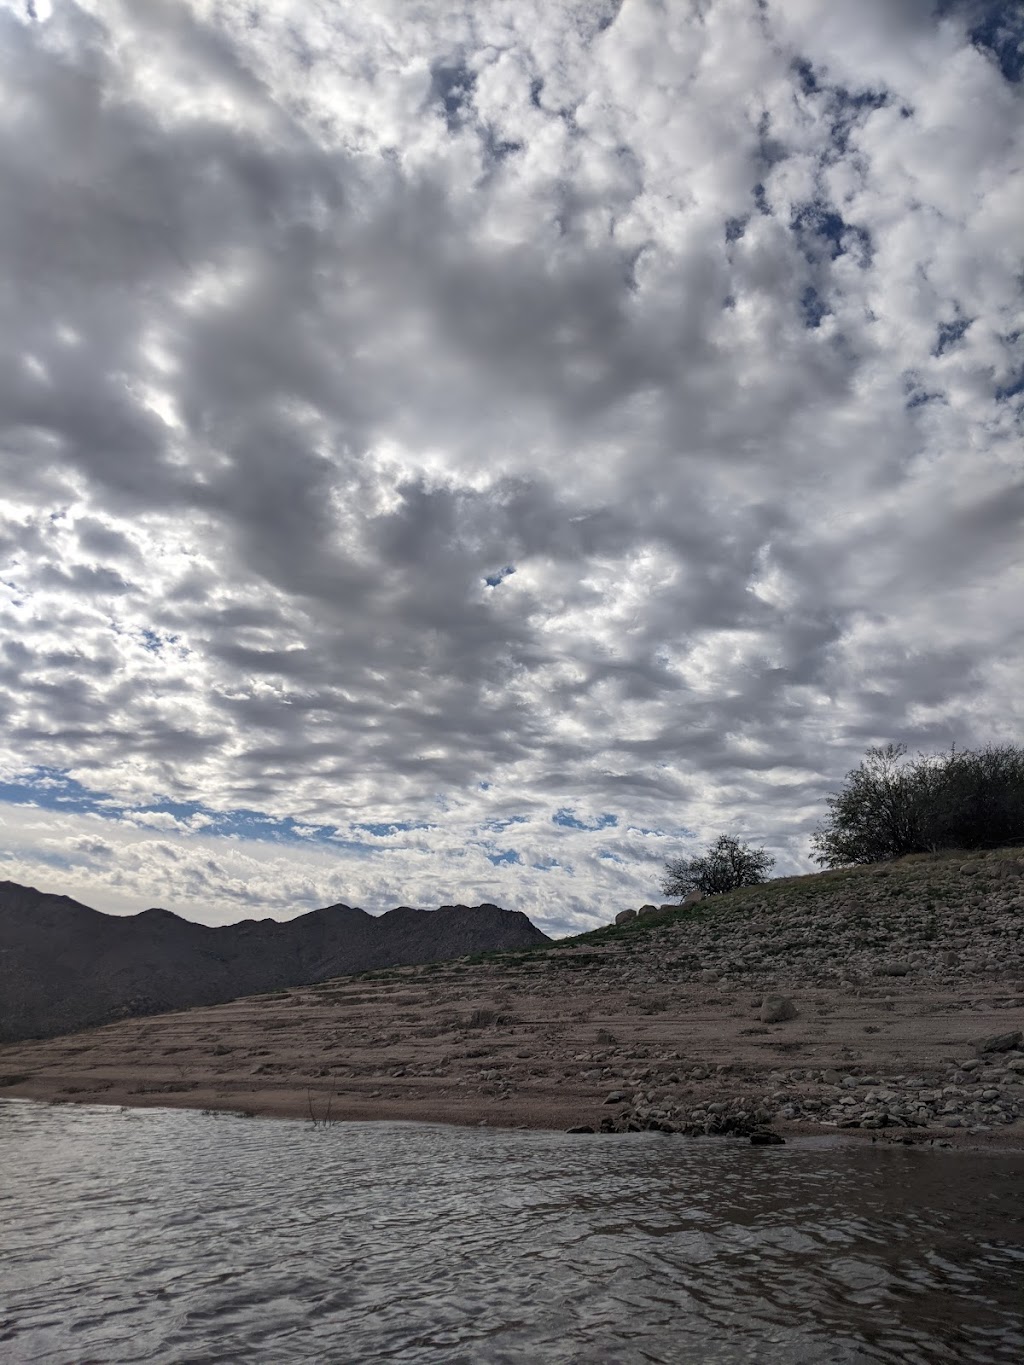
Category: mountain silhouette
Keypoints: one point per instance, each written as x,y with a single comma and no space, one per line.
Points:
64,966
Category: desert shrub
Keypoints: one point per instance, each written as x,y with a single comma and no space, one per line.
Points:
892,805
725,866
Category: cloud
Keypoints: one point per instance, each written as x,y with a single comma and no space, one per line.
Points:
419,422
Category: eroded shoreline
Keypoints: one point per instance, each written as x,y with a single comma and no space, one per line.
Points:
898,976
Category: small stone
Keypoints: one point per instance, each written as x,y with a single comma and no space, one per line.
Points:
580,1128
831,1077
895,969
969,869
767,1137
1000,1042
776,1009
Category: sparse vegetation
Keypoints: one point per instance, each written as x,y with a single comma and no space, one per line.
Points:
892,805
324,1120
726,866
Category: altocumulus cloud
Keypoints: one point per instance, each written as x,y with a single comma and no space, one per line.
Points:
472,450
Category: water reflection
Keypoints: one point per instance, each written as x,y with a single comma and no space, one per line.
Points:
174,1236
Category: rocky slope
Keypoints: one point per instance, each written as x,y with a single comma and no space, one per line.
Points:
906,983
64,966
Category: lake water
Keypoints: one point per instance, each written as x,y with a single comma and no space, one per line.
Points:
173,1236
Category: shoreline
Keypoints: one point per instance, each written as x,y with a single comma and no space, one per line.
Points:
801,1136
905,1024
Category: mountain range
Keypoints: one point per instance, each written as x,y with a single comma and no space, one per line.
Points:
64,966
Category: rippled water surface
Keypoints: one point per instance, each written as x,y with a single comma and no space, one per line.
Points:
158,1235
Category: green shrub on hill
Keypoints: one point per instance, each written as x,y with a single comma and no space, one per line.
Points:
892,805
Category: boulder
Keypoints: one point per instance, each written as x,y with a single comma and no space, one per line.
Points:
1000,1042
649,910
691,899
894,969
624,916
776,1009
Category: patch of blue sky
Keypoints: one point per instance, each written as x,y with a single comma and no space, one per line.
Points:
949,334
817,224
499,825
657,832
356,846
52,789
921,398
813,307
999,32
48,788
505,858
386,829
607,856
452,85
493,580
568,819
154,641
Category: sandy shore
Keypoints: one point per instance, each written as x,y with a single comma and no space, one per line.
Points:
665,1016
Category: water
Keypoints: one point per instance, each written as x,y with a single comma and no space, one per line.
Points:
171,1236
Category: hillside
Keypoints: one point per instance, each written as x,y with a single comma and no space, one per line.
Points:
907,982
65,967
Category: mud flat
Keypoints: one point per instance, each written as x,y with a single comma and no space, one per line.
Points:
907,980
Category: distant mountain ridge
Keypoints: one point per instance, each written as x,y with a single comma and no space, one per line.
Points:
64,966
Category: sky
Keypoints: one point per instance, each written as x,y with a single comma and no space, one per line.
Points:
479,449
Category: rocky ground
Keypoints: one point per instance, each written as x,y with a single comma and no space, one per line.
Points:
904,1021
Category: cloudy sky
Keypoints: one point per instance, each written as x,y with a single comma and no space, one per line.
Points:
477,449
